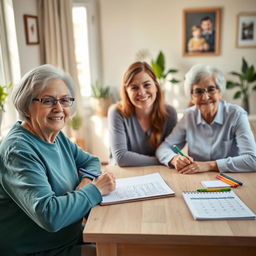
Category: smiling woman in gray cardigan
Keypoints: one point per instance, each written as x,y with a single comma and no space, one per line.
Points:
141,120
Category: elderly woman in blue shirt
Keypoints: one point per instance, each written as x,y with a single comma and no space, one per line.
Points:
217,133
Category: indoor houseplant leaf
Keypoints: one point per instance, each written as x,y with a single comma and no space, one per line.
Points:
158,67
245,84
3,94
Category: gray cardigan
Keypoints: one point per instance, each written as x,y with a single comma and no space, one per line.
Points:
129,143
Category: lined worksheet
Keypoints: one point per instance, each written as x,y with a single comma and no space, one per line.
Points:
139,187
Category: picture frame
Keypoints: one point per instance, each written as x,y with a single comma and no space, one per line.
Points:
246,30
204,24
31,29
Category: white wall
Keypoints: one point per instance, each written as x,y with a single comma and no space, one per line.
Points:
29,54
130,25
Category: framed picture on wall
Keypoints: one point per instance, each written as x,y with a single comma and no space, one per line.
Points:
246,30
31,29
201,32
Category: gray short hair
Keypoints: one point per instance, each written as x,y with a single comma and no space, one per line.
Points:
34,82
201,71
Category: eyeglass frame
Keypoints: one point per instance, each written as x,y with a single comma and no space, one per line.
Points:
54,101
205,90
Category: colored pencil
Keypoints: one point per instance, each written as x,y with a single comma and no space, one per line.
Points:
226,176
231,183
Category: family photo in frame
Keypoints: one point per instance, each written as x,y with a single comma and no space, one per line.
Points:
246,30
201,32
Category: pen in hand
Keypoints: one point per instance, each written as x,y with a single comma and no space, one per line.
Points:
89,173
178,162
176,148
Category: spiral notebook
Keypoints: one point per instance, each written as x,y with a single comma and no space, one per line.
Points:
217,206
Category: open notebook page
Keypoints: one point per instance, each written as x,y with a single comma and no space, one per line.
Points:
137,188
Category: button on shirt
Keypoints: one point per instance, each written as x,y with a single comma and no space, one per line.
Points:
228,139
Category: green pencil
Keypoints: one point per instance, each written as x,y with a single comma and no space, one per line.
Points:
212,189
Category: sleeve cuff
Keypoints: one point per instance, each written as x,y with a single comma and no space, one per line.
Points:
221,163
93,194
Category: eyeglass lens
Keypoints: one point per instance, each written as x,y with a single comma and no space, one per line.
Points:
200,91
65,102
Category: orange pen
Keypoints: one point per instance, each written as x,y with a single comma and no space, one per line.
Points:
231,183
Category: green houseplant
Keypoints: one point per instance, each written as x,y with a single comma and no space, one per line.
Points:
101,98
158,66
3,94
245,84
75,134
75,122
4,90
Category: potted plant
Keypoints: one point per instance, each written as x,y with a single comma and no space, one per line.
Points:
158,66
75,124
3,95
245,85
101,99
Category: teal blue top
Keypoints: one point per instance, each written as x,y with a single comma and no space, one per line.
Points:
39,207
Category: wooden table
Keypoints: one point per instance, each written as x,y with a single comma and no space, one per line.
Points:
165,226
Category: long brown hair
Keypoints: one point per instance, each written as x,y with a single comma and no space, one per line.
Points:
126,108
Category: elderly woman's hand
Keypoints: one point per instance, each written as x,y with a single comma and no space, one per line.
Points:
179,162
199,167
105,183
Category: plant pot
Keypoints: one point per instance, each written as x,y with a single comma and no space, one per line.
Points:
100,106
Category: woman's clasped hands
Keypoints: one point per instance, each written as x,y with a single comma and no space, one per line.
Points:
186,165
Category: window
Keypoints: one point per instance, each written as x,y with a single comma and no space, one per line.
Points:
82,48
86,44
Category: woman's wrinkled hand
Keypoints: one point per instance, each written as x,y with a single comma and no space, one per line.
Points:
105,183
180,162
196,167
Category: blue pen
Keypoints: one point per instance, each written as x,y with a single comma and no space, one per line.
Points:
89,173
237,181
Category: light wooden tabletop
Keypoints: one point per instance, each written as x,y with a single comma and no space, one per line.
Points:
168,220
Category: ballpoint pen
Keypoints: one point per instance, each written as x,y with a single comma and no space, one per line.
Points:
213,189
175,147
89,173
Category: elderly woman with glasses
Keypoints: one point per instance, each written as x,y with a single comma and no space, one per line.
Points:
217,133
43,193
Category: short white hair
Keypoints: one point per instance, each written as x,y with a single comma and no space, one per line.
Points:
35,81
199,72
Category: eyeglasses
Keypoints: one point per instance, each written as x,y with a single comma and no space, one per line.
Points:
50,102
211,90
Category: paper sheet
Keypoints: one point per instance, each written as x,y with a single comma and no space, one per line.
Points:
151,185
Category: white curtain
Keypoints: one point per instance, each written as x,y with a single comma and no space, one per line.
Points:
57,43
